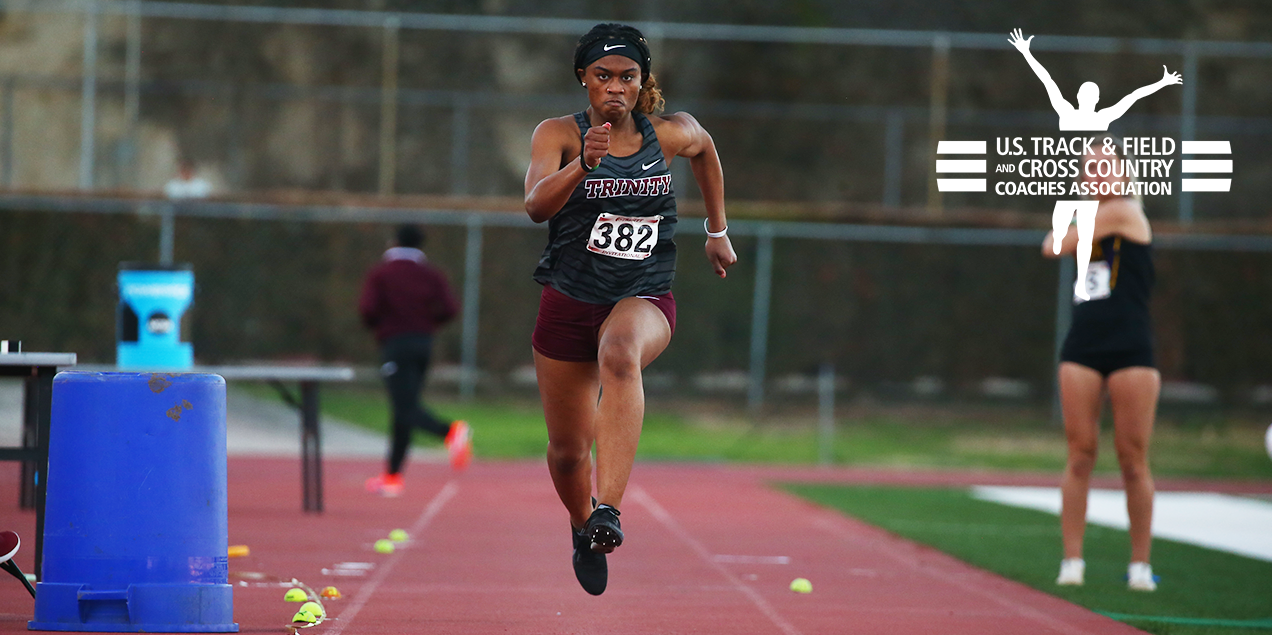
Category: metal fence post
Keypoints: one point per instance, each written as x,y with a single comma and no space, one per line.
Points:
1188,123
894,151
167,232
760,317
459,147
826,412
88,97
937,111
6,135
132,94
388,107
472,308
1064,310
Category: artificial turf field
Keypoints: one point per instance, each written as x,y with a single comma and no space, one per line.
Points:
1202,591
1185,444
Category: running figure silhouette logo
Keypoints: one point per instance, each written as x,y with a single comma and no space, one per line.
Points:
1085,117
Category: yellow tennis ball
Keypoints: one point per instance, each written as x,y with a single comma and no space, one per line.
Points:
384,546
801,585
295,595
398,535
304,616
313,607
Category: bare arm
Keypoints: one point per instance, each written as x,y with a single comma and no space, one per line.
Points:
1120,108
697,145
1121,217
548,185
1058,101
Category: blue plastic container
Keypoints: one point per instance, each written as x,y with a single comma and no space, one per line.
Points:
136,533
152,300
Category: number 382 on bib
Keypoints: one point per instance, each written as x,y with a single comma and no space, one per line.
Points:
626,237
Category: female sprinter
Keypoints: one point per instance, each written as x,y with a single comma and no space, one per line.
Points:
601,179
1110,347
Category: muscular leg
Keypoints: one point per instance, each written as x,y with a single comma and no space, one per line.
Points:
569,391
1080,395
633,335
1133,394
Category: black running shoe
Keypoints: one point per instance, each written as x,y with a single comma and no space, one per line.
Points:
589,568
603,528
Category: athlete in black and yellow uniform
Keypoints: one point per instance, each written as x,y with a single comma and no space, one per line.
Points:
1112,330
1109,348
601,179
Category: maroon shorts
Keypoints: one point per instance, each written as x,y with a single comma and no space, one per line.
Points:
568,330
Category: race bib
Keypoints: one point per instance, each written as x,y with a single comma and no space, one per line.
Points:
626,237
1097,281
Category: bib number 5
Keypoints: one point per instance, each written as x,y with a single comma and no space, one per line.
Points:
626,237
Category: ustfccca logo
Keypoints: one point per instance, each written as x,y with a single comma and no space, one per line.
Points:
1081,169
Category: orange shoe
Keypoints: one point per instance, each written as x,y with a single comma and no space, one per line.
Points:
459,445
386,485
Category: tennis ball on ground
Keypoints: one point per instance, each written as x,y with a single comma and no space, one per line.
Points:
295,595
304,616
384,546
331,593
314,608
398,535
801,585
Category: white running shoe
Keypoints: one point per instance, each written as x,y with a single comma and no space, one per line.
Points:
1139,577
1072,572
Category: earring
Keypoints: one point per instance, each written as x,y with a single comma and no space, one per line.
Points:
584,84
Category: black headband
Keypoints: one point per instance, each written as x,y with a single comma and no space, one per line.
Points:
616,46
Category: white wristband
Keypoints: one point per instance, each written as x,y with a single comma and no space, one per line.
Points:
711,234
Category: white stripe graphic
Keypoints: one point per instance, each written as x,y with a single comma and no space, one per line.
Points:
1194,166
961,147
960,185
1207,185
1206,147
973,166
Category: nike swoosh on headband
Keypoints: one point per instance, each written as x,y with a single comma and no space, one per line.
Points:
646,167
615,46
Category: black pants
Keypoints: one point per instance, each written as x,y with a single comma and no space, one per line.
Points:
405,367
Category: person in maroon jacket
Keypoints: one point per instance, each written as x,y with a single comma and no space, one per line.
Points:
404,300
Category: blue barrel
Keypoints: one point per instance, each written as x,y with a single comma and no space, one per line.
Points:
135,533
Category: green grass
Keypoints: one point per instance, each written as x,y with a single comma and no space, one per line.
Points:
1024,545
698,431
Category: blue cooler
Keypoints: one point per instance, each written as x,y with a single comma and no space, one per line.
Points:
136,528
152,299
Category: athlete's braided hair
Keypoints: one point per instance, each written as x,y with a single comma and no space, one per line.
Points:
650,99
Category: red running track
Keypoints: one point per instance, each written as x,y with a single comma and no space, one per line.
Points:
709,549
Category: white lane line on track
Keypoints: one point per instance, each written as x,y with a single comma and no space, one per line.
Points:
643,497
728,559
890,550
364,594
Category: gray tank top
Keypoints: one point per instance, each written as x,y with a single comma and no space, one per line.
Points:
603,260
